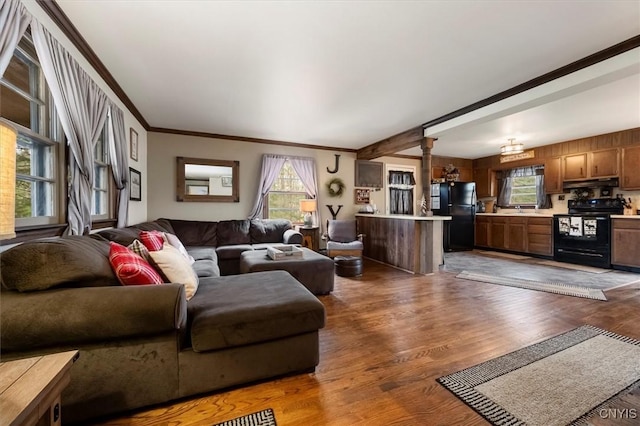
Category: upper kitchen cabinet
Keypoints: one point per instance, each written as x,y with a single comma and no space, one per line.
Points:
630,178
595,164
575,166
486,184
553,175
604,163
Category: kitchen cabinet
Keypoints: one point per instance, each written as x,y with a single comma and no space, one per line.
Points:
626,243
596,164
604,163
553,175
482,231
522,234
575,166
630,178
539,235
485,180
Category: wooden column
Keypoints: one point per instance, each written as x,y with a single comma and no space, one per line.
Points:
427,145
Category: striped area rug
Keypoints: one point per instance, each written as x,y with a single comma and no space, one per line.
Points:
549,287
261,418
582,375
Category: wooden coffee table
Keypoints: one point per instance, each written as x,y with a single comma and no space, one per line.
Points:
30,389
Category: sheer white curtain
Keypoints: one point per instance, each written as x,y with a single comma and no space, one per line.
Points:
14,20
271,165
305,167
82,108
119,159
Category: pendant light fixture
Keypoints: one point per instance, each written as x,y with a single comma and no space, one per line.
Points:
512,148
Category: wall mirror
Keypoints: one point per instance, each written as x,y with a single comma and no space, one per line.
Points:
201,179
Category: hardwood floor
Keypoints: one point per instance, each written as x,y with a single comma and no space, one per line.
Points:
389,336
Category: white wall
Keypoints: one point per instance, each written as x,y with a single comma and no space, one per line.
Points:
137,209
164,148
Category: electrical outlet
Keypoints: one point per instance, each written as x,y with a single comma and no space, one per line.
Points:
561,197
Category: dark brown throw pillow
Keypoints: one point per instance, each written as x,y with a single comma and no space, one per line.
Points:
72,261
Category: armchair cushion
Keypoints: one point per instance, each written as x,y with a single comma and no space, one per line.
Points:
343,231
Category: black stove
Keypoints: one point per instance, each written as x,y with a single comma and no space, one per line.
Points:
583,235
596,206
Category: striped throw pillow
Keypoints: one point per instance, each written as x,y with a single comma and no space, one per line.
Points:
152,240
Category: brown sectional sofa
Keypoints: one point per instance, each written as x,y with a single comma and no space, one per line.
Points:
143,345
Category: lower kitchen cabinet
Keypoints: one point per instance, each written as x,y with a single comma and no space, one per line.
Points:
522,234
626,243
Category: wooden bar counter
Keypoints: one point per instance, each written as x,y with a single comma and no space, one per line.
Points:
412,243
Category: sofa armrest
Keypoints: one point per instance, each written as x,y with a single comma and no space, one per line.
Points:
72,316
291,236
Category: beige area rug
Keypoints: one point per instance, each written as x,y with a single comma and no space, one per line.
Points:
505,255
549,287
583,268
564,380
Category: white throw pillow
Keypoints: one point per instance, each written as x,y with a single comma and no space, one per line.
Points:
176,268
175,241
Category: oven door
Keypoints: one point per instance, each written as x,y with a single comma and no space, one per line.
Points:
582,239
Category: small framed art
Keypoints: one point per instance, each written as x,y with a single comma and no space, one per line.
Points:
135,182
133,144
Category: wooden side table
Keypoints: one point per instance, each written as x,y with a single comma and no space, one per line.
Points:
30,389
310,237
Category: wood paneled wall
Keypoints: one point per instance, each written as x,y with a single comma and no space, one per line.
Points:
610,140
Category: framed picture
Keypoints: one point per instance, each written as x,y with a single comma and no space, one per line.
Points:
362,196
135,182
133,144
227,181
197,190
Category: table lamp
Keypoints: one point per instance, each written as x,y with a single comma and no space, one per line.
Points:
308,206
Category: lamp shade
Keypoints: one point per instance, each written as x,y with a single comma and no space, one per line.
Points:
308,205
512,148
7,181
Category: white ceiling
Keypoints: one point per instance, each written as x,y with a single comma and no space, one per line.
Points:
349,73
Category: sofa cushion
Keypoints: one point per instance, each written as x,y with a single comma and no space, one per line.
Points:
162,225
205,261
195,233
176,268
122,236
268,230
130,268
243,309
232,252
175,241
233,232
77,261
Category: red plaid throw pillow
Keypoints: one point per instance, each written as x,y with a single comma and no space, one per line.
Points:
130,268
152,240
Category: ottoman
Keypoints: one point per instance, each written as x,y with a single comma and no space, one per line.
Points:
348,266
312,269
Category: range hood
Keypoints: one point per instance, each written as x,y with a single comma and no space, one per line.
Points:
591,183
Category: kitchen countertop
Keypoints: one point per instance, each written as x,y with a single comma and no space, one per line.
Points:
621,216
516,214
404,216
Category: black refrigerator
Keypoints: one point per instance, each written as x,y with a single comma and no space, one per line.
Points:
458,200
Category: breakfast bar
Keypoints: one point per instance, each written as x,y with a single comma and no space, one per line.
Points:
412,243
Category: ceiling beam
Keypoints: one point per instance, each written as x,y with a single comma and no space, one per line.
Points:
389,146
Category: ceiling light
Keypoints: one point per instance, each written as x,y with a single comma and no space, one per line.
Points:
512,148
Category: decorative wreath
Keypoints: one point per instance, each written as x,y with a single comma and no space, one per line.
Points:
335,187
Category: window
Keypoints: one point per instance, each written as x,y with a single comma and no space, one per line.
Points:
101,206
283,200
27,104
522,186
523,191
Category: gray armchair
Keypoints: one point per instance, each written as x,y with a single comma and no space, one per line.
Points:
343,239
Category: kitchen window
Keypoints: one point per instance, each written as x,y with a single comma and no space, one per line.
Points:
522,187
